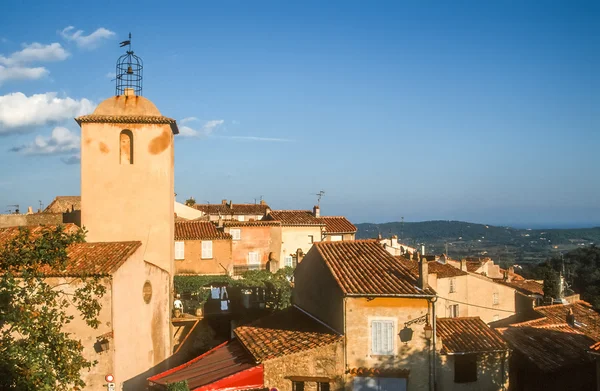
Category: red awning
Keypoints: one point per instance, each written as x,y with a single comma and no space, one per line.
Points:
227,367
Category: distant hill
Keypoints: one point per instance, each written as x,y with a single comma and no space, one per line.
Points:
503,244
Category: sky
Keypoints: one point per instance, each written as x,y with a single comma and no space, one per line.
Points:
480,111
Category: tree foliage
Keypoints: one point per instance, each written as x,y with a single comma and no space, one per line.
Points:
179,386
190,201
35,352
551,284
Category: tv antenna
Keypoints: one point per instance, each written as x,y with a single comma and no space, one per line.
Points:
16,206
319,195
41,205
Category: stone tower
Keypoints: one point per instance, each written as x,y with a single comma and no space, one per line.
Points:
127,178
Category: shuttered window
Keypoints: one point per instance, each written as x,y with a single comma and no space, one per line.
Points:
254,260
382,337
179,250
236,233
206,249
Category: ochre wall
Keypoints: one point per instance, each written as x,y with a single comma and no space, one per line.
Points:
261,239
293,238
325,361
413,355
194,264
492,373
480,293
446,299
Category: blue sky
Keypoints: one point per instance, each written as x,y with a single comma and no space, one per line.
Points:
479,111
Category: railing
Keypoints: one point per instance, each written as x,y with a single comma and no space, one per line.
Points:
238,270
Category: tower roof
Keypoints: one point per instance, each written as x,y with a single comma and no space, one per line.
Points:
127,105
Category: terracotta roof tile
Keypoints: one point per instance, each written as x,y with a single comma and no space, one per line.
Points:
468,335
294,218
284,332
198,230
259,223
586,317
364,267
337,224
232,209
62,204
8,233
442,270
102,258
595,347
528,287
472,266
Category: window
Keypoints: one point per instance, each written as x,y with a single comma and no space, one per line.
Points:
452,285
311,239
288,261
297,386
206,249
336,238
322,386
495,299
254,260
379,384
240,218
236,233
453,311
382,337
126,141
179,250
465,368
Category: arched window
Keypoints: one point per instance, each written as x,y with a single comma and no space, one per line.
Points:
126,140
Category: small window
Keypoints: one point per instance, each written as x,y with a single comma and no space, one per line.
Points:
179,250
311,239
236,233
495,299
465,368
453,311
254,259
240,218
207,249
322,386
382,337
126,141
288,261
297,386
452,285
336,238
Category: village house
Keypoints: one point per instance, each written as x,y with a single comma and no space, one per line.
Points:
337,228
200,248
256,245
299,230
552,352
394,247
227,210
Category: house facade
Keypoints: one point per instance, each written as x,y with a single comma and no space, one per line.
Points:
254,244
338,228
200,248
227,210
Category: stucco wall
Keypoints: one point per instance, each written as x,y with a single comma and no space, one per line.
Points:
293,238
345,237
447,298
14,220
129,201
326,361
141,330
317,292
261,239
93,378
480,293
492,373
413,355
194,264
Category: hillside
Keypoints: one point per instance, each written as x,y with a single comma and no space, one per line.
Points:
503,244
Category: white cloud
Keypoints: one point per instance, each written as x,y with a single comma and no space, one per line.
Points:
253,138
21,73
206,130
111,75
35,52
86,41
61,141
19,112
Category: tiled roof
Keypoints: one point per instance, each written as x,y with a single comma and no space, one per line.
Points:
472,266
198,230
528,287
128,119
442,270
468,335
364,267
62,204
7,234
232,209
587,320
284,332
259,223
294,217
103,258
337,224
551,347
595,348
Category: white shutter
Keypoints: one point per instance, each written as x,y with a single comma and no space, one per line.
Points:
382,337
253,258
206,249
235,233
179,250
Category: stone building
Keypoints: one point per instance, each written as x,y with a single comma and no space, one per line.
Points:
200,248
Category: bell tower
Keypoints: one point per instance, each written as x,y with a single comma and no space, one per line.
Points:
127,168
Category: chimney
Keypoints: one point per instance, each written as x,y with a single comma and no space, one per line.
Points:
223,202
394,240
29,210
230,204
220,222
299,256
570,317
423,280
463,265
379,236
422,249
317,211
262,202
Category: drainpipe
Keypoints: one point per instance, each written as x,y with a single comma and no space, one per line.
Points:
432,352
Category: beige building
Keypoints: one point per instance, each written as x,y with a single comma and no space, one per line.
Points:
200,248
337,229
299,230
256,245
227,210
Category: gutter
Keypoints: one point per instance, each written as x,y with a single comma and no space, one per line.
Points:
412,295
433,352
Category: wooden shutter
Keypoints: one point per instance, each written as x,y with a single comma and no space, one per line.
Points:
179,250
207,249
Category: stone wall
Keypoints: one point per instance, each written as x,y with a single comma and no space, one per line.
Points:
14,220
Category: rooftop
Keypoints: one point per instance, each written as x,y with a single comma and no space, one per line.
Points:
442,270
258,223
9,233
295,217
198,230
468,335
337,224
63,204
284,332
365,268
528,287
226,209
587,319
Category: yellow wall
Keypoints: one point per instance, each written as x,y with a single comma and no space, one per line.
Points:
480,293
220,263
293,238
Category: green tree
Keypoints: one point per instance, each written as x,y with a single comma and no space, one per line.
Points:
35,352
179,386
190,201
551,284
